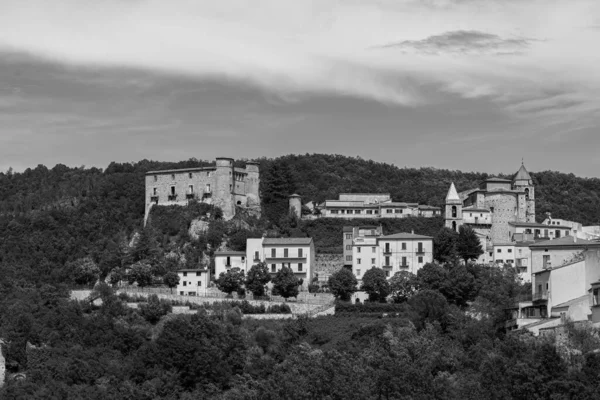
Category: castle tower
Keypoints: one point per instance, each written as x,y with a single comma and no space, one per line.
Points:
224,187
296,205
453,209
523,182
252,184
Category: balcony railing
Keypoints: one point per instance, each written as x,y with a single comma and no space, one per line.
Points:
540,296
420,251
190,196
172,197
404,266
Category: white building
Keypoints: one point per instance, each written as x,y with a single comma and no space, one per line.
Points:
226,260
295,253
392,253
192,281
374,205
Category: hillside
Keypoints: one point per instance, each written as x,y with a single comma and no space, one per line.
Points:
51,216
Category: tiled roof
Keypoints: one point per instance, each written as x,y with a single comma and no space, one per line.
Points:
230,253
522,174
404,236
566,241
497,179
537,225
476,209
271,241
452,194
181,170
426,207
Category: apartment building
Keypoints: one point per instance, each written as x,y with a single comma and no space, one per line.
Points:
227,260
192,281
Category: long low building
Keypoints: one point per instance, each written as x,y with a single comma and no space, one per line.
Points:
374,205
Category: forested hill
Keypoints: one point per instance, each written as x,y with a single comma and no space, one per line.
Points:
119,189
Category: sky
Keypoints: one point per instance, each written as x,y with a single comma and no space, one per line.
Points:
472,85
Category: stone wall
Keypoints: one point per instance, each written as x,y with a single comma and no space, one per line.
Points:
505,211
327,264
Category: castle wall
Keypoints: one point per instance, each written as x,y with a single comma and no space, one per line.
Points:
505,211
224,187
252,184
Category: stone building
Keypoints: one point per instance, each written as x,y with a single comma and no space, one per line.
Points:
223,185
493,207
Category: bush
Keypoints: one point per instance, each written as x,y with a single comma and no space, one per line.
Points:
313,288
369,308
155,309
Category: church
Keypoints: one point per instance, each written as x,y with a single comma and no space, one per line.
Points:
495,210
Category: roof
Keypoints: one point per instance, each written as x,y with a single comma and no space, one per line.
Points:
272,241
452,194
295,195
522,174
181,170
571,302
567,241
404,236
497,179
399,204
505,244
537,225
230,253
348,229
192,270
426,207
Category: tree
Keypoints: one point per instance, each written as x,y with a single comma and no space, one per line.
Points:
171,279
146,246
375,284
154,309
444,246
85,271
402,286
429,306
285,283
141,273
468,244
342,284
230,281
116,276
258,276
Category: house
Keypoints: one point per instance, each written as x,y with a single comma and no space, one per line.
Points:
226,260
351,233
392,253
295,253
565,277
192,282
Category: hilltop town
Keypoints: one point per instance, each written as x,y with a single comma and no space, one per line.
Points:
217,278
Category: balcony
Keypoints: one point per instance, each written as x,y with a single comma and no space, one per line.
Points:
404,266
172,197
540,296
420,252
154,199
387,251
190,196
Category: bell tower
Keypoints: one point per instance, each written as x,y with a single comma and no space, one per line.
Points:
523,182
453,209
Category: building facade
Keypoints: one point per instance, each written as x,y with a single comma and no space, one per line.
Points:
192,281
298,254
351,233
392,253
227,260
223,185
373,205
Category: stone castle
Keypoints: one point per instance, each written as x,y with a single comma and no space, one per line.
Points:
222,185
492,208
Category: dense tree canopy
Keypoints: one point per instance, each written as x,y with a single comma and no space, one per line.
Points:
342,284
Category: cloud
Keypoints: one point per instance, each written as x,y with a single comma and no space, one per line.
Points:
464,42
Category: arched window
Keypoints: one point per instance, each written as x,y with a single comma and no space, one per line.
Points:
527,193
453,211
454,226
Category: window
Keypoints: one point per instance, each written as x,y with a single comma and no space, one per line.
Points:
398,211
348,258
470,214
173,176
181,293
358,249
191,189
420,259
420,247
208,188
387,247
184,283
243,259
404,264
256,255
348,236
199,283
388,211
154,191
185,274
273,267
492,209
546,260
228,263
299,267
272,252
190,175
387,274
300,253
557,233
510,250
373,249
454,211
285,252
403,246
155,178
334,211
387,261
358,260
348,247
172,190
358,272
369,211
499,251
198,273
